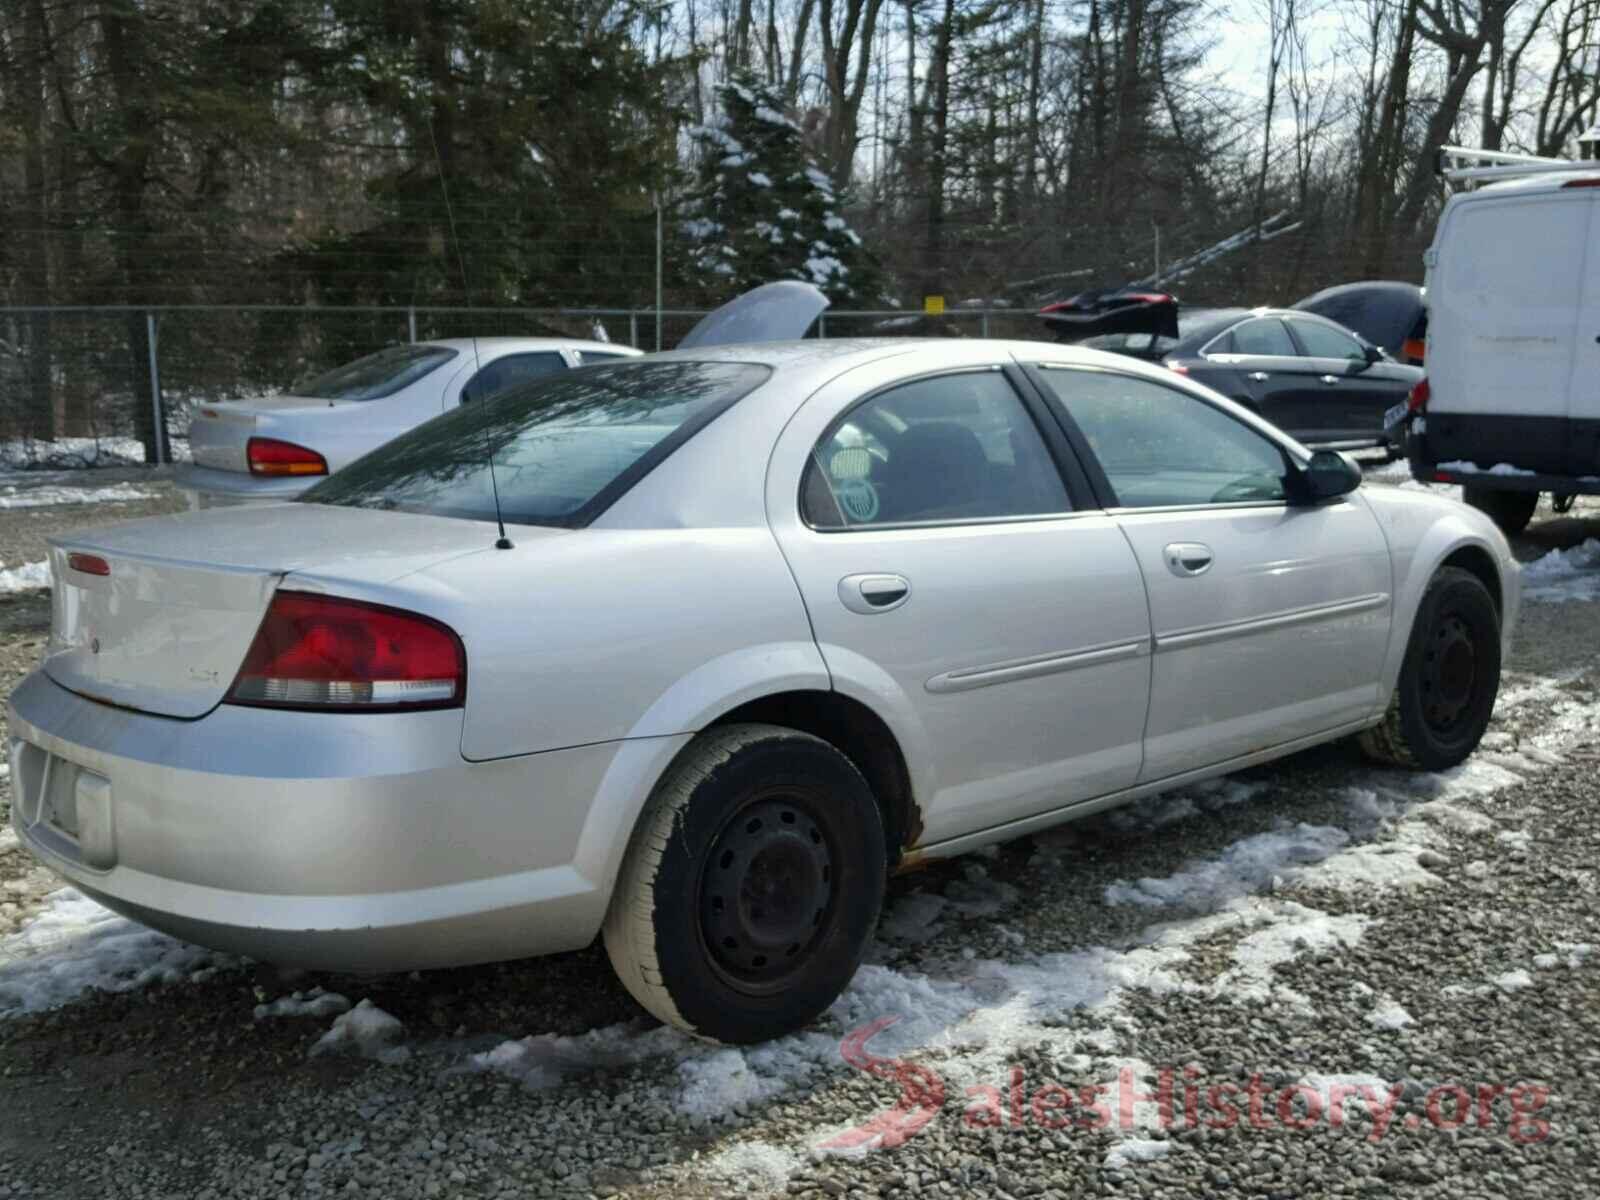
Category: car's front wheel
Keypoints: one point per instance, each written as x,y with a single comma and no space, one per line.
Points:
1448,681
751,885
1510,510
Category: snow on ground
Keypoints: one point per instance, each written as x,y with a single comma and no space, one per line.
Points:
1513,981
26,577
12,496
1135,1150
74,945
1243,867
365,1030
1563,575
315,1003
72,452
1389,1014
754,1163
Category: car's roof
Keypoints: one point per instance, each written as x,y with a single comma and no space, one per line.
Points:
1552,181
528,343
834,356
1364,286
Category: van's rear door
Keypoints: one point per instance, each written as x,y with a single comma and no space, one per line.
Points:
1583,393
1505,294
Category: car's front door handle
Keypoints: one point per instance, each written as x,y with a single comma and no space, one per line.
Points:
869,594
1330,379
1258,377
1187,559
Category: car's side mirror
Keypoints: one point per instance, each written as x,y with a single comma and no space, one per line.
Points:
1374,353
1327,476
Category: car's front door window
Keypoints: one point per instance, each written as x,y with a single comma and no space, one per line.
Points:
944,449
1324,341
1159,446
1264,336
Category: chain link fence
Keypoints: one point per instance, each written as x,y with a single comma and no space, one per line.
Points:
116,385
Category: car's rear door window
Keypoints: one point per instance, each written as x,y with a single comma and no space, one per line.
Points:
564,448
509,371
1159,446
949,448
377,375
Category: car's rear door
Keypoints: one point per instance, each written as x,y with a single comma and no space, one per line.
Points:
961,583
1257,364
1350,392
1270,621
1508,333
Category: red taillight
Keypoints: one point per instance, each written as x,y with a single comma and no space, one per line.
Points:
89,564
1417,399
269,456
326,653
1588,182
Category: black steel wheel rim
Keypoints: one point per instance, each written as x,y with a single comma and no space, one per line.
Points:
1449,675
766,893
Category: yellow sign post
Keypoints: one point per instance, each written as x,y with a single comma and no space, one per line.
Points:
933,306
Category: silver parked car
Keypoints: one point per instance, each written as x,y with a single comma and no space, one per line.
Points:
276,447
769,622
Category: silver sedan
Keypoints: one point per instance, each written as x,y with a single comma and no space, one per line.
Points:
765,623
276,447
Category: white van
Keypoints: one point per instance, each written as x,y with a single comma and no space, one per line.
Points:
1511,403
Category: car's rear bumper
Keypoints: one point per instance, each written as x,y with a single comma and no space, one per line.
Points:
360,842
210,487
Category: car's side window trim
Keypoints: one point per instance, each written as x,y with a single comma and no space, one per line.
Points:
1109,500
1068,470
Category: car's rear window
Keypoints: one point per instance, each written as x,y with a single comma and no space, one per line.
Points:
375,376
564,447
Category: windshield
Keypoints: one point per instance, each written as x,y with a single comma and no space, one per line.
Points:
564,447
376,375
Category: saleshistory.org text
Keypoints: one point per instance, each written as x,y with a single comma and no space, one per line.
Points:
1176,1098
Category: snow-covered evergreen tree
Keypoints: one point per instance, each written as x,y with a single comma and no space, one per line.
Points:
763,211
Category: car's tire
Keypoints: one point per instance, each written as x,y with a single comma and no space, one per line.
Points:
1510,510
751,885
1448,681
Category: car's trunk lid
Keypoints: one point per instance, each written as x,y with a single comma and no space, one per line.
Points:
165,630
220,431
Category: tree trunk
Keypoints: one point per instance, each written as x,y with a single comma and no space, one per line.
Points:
41,420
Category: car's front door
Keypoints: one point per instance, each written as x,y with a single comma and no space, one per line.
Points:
1350,391
960,585
1270,620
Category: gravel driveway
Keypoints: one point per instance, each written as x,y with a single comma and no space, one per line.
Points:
1310,979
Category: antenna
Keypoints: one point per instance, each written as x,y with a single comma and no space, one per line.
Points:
502,542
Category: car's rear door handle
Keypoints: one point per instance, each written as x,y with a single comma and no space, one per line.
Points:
1258,377
1187,559
1330,379
869,594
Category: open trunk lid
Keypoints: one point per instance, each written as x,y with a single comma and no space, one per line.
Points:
166,627
1112,310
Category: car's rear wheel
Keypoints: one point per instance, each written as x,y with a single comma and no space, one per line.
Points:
1448,681
1510,510
751,885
